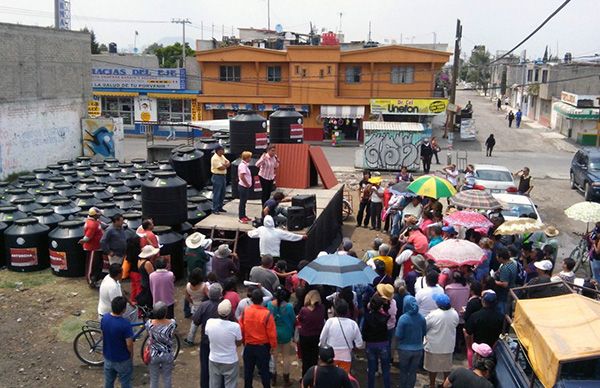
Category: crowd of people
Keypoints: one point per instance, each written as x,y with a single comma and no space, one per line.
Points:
415,315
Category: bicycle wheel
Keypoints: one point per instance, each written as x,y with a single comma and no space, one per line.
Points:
346,211
88,347
579,254
176,346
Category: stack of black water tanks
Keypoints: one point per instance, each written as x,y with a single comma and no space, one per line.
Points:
42,215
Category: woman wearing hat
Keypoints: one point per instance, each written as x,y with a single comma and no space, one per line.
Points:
225,263
145,267
386,291
479,376
195,255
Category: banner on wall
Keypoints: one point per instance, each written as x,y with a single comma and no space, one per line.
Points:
409,106
103,138
138,78
145,109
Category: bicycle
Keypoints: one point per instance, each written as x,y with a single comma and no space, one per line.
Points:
581,254
87,345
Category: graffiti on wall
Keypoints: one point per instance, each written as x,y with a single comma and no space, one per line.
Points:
101,137
389,150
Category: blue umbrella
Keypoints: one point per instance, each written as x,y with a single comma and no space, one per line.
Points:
337,270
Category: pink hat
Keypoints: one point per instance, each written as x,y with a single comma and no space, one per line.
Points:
483,350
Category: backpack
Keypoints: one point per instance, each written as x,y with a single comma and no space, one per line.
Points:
521,275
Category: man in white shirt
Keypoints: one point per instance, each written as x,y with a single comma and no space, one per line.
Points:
224,336
440,338
270,237
342,334
425,296
110,288
451,174
376,202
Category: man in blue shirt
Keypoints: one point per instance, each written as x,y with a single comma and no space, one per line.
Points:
117,345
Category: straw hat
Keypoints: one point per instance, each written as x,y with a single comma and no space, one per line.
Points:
376,180
148,251
223,251
195,240
551,231
386,291
419,262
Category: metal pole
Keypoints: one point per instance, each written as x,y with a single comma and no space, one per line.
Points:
456,64
269,15
183,46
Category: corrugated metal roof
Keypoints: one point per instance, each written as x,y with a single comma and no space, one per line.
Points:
392,126
323,168
294,168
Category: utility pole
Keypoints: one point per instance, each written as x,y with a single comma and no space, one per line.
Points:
369,30
434,40
340,26
183,22
450,119
269,15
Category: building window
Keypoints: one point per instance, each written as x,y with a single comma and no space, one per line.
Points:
529,75
353,74
321,73
536,75
402,74
297,69
230,73
175,111
274,73
118,107
303,73
544,76
328,70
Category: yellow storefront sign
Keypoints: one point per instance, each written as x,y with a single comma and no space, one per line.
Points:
94,109
409,106
196,111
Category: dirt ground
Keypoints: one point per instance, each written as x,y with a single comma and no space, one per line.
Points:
42,313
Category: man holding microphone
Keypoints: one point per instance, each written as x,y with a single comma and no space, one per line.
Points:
267,164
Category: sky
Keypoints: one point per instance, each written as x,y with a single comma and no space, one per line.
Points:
499,25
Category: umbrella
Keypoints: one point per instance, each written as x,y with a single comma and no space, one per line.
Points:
475,199
454,253
432,186
519,226
584,211
337,270
400,188
468,219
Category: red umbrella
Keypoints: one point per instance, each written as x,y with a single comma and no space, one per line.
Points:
454,253
468,219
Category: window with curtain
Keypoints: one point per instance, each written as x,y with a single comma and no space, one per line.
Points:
274,73
402,75
353,74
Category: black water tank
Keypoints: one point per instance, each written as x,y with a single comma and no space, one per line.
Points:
117,188
131,181
47,217
138,162
255,190
83,171
207,146
47,196
70,176
16,193
33,188
204,204
111,162
101,177
187,163
172,244
124,201
109,209
84,183
67,257
42,173
195,215
279,126
183,229
55,169
112,48
9,214
100,192
133,220
83,161
85,200
26,243
126,168
113,172
164,198
66,190
191,191
97,166
247,132
64,207
3,227
165,165
141,173
137,194
26,205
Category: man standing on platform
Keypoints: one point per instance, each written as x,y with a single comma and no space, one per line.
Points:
244,185
218,168
267,164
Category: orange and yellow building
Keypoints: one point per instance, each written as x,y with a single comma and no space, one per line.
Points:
332,88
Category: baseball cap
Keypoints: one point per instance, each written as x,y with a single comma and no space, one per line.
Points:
449,229
484,350
224,308
441,300
326,354
94,211
544,265
489,296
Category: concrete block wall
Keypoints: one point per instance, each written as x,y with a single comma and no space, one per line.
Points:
41,62
45,83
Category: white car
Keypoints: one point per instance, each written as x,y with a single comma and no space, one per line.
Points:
514,206
494,179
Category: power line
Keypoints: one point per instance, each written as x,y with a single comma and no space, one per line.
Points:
533,32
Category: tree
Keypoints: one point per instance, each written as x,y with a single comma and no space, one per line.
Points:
103,48
170,56
478,71
152,48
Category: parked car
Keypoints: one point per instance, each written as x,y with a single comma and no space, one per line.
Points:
514,206
585,172
494,179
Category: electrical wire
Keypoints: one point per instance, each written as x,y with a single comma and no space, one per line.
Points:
533,32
